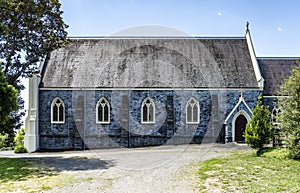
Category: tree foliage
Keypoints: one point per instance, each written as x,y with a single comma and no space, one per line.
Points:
29,29
259,129
19,138
290,116
8,101
2,28
19,142
3,140
33,28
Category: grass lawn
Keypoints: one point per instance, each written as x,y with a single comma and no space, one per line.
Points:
246,172
22,175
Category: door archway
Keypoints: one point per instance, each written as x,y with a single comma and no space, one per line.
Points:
239,123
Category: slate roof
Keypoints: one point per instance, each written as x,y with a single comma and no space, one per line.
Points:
150,62
274,71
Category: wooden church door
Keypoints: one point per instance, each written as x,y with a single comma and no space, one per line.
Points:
240,127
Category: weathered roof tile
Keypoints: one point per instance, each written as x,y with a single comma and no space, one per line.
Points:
151,62
274,71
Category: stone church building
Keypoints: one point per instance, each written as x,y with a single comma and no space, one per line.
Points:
147,91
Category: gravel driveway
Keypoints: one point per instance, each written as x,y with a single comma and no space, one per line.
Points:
151,169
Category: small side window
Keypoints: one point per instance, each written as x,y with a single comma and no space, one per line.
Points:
148,111
192,111
103,111
57,111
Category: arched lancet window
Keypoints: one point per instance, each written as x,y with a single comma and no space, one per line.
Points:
57,111
275,114
148,111
192,111
103,111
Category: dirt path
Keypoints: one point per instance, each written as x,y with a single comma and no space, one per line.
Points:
151,169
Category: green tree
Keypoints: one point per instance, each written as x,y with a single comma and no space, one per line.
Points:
2,28
8,100
34,28
3,140
19,138
29,29
290,116
19,142
259,129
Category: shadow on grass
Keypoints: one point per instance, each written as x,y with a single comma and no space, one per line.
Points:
12,169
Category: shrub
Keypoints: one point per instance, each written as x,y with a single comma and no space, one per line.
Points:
3,140
279,153
20,149
18,139
293,143
19,145
259,129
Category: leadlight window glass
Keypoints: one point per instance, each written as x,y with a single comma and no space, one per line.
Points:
103,111
192,111
57,111
148,111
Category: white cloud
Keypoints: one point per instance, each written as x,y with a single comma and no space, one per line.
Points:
279,29
219,13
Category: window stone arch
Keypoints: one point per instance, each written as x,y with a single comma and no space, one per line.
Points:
192,111
57,111
103,111
148,111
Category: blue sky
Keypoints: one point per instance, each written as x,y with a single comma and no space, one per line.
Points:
274,24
